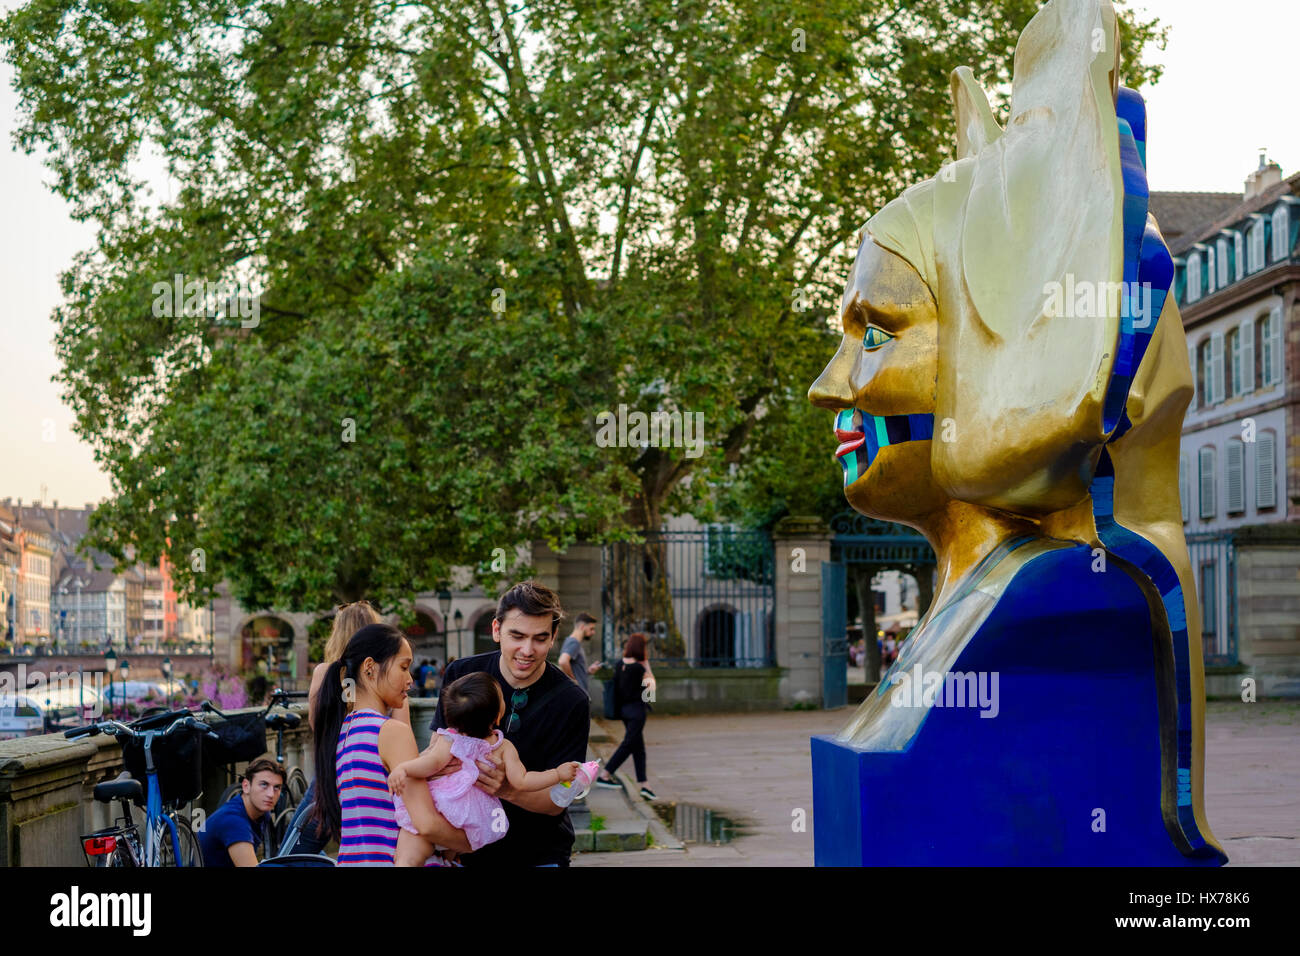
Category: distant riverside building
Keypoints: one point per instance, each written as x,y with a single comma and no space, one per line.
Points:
37,544
90,610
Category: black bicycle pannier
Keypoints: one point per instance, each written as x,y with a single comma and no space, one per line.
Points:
242,738
178,761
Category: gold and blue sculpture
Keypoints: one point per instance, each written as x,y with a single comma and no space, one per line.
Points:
1012,382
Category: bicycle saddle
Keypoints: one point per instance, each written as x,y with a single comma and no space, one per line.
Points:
286,721
123,787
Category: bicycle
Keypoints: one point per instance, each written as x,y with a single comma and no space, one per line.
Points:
119,845
295,784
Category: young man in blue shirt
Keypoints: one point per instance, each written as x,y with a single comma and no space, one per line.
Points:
231,836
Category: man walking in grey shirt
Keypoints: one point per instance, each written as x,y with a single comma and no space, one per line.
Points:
573,661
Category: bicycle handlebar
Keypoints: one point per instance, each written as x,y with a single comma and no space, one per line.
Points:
116,728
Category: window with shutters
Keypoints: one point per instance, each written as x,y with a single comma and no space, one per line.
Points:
1281,233
1255,237
1217,371
1270,347
1211,272
1238,255
1246,336
1261,350
1209,603
1234,365
1184,490
1275,353
1265,471
1235,477
1196,378
1206,381
1209,506
1221,263
1193,277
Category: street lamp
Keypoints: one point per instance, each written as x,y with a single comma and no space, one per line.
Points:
167,674
110,664
125,666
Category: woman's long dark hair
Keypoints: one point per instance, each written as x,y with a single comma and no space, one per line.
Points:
383,642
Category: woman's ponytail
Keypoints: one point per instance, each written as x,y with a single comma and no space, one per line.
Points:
379,642
327,720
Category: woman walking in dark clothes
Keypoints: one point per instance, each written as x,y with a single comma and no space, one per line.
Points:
630,675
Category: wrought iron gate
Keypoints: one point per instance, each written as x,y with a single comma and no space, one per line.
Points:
706,597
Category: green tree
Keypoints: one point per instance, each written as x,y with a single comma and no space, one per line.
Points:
470,228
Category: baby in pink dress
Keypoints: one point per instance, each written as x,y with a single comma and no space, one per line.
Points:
472,707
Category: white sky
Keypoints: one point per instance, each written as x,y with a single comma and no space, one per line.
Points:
1228,78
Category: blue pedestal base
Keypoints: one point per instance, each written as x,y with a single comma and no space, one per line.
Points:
1068,772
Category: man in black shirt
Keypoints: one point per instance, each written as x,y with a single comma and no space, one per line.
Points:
547,719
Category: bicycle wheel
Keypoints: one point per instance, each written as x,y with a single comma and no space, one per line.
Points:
191,853
117,859
229,792
296,787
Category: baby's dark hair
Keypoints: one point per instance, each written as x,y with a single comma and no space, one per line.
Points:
471,704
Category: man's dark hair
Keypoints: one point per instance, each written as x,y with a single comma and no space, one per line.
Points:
263,764
471,704
533,600
585,618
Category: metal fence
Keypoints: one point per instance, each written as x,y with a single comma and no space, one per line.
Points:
1214,566
705,597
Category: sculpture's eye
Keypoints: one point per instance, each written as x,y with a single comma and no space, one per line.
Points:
875,338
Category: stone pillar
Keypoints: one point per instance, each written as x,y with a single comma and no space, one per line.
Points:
799,605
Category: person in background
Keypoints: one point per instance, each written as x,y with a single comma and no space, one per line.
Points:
232,835
573,661
631,674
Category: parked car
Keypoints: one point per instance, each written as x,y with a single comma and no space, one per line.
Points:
47,710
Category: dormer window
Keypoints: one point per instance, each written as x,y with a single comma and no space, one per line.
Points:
1193,277
1221,263
1239,255
1255,239
1281,233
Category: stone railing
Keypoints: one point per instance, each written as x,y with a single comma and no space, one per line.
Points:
47,791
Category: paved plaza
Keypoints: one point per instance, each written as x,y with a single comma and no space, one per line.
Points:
755,769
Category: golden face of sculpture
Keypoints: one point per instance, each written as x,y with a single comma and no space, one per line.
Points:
886,366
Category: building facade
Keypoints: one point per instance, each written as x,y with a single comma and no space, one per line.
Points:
90,610
1237,282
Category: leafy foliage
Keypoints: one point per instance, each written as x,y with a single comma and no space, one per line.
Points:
472,228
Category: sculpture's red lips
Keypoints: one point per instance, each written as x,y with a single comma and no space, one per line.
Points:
848,441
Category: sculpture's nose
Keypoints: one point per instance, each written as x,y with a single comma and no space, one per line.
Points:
834,387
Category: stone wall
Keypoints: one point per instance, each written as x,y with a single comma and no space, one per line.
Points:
706,690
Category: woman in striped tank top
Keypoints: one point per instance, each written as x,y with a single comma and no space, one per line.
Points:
357,746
